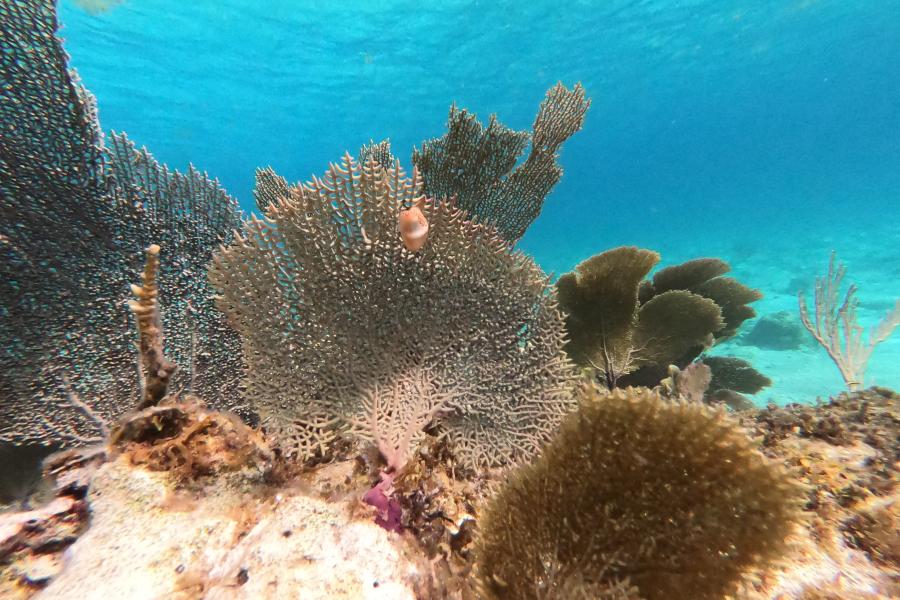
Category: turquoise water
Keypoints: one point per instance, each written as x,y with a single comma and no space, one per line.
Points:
766,133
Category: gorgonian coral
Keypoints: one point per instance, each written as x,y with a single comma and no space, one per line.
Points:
637,497
344,327
76,212
835,327
479,166
629,330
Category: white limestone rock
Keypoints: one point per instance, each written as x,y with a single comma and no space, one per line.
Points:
147,542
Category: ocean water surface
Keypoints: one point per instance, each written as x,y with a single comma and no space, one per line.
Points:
766,133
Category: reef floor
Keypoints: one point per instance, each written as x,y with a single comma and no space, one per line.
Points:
187,503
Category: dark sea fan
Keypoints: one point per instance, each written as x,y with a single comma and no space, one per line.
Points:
478,167
75,216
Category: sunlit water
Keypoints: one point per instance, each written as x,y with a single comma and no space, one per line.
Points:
765,132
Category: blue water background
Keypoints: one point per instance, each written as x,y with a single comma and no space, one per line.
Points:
764,132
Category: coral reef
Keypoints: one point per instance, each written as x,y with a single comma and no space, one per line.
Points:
836,328
845,452
478,167
239,530
392,312
342,324
637,497
74,213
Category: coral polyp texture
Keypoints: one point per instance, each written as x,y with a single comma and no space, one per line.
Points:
478,167
76,212
344,327
637,497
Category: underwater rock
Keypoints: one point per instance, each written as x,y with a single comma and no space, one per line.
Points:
32,544
184,438
149,541
777,331
845,453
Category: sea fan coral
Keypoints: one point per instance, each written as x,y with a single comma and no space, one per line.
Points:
669,498
343,326
630,330
75,215
704,276
477,165
610,332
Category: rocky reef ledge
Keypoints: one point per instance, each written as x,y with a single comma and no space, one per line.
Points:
190,503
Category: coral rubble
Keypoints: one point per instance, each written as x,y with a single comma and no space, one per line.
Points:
846,453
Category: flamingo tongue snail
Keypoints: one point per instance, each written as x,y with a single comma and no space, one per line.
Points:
413,228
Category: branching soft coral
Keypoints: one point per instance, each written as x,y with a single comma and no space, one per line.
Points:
347,328
835,327
478,166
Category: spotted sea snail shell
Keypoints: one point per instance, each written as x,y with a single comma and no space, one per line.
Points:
413,228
